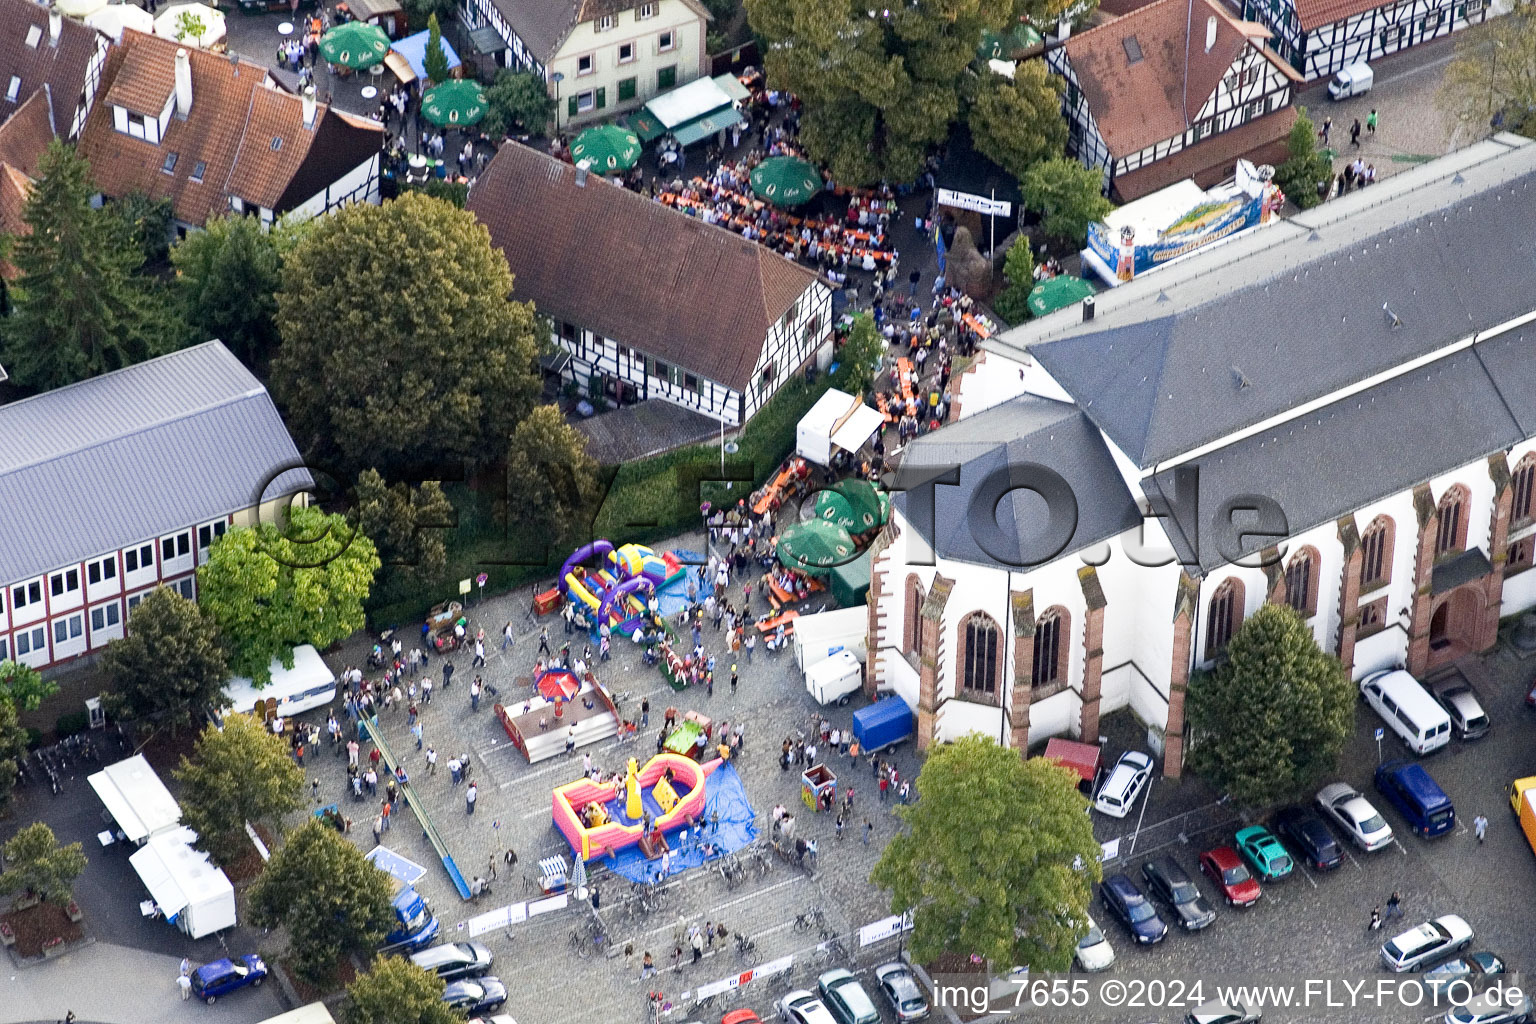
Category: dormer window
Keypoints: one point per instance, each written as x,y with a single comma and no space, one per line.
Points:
34,36
198,169
169,164
277,143
645,11
605,23
14,89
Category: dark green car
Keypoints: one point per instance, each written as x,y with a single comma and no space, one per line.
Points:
1264,853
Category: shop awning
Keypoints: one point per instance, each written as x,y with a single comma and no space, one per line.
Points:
703,127
486,41
732,87
400,66
858,428
688,102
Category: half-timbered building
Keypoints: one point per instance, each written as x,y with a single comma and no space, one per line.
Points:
1319,37
1331,414
1176,89
650,302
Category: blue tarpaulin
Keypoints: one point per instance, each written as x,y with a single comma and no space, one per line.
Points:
725,797
414,50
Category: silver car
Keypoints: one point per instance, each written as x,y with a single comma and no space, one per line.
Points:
1468,719
899,986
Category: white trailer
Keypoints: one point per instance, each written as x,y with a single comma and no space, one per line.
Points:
192,894
819,636
136,799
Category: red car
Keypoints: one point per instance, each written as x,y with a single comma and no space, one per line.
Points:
740,1017
1226,869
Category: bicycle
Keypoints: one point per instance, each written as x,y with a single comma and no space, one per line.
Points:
745,947
829,950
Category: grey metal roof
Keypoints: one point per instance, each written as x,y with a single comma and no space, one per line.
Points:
133,454
1382,441
996,449
1470,565
1290,313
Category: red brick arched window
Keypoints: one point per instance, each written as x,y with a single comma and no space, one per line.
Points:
1053,632
1451,528
912,622
1301,581
1523,483
1376,545
1224,615
979,659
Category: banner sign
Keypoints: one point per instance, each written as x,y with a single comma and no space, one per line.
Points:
1201,226
503,917
980,204
546,906
886,928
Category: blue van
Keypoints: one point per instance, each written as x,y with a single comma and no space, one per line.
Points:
1418,797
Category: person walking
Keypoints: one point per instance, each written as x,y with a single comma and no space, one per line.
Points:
1394,905
1375,925
733,680
479,659
1354,133
507,639
1371,121
474,694
1480,826
697,943
470,796
431,761
647,965
751,645
447,673
869,830
184,983
416,732
1326,130
544,641
426,690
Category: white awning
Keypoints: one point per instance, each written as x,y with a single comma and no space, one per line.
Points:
697,98
857,428
136,798
180,877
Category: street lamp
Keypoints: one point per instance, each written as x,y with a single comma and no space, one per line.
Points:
557,77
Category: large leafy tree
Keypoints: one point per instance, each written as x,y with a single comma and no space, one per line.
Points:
396,991
408,525
860,354
1492,81
1018,123
1304,166
400,347
79,306
171,664
997,859
13,748
550,477
331,900
24,686
517,98
270,589
35,863
1273,717
880,84
1012,303
1068,196
237,774
227,278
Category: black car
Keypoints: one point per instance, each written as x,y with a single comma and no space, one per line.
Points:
1122,899
480,995
454,960
1169,883
1309,836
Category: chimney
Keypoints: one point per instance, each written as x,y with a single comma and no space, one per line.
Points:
1088,309
183,84
1210,33
581,174
309,106
55,27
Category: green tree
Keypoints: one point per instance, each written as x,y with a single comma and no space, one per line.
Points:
237,774
1305,166
396,991
550,477
406,524
13,748
170,665
434,61
24,686
1018,124
420,10
271,589
149,224
37,865
860,354
1068,196
1012,303
397,315
227,278
331,900
517,98
1273,717
78,306
997,858
1492,77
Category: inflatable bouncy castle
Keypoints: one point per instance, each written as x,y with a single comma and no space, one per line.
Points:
620,588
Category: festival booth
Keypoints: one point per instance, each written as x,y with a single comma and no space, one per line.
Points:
407,58
112,19
693,112
541,725
185,886
838,421
136,799
1178,221
386,14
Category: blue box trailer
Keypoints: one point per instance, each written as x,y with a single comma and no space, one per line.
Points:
884,723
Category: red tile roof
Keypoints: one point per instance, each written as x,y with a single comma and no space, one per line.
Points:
1317,13
241,138
61,66
1136,103
632,270
14,187
26,133
1210,162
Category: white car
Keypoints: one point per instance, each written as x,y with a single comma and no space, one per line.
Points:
1430,940
1221,1013
1125,783
1094,953
802,1007
1355,815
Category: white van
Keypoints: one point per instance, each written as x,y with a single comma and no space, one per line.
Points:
1355,80
1408,710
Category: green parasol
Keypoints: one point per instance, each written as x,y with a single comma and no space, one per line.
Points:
864,501
785,180
457,103
1057,292
833,507
354,45
1009,44
815,546
606,148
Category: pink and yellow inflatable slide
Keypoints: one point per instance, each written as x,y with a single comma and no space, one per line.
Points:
618,830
